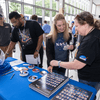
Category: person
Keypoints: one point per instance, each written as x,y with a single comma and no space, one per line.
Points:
57,41
46,28
87,60
34,17
28,33
23,18
5,33
72,24
73,30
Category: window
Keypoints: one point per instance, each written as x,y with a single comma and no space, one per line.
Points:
72,10
14,7
69,9
93,8
2,7
47,3
28,11
18,0
38,11
66,1
47,16
53,4
38,2
28,1
53,13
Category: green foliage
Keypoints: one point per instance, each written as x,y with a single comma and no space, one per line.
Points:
14,7
47,3
28,10
54,5
47,13
39,11
39,3
69,7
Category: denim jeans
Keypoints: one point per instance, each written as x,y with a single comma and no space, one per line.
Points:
96,85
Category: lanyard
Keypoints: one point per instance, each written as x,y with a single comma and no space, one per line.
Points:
23,30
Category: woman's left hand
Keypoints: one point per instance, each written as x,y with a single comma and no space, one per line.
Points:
50,69
54,63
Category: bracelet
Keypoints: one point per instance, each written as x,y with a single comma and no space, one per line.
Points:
59,63
7,54
37,51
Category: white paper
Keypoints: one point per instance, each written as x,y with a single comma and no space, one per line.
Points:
16,62
31,60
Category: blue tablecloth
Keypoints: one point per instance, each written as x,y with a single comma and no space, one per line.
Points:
17,88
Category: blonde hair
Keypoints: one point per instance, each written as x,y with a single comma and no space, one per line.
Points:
54,32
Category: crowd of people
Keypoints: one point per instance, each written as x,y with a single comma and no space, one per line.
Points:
58,41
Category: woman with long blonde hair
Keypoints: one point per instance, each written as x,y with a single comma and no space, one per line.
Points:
58,42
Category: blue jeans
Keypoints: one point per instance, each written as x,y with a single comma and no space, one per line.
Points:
96,85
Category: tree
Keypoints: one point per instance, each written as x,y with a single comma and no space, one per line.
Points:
14,7
17,7
47,5
28,10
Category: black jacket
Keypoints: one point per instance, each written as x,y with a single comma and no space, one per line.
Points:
50,52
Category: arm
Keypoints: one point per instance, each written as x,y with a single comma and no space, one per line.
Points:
10,48
40,39
39,33
69,65
49,53
49,50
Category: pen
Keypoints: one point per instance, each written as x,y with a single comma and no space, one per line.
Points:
12,76
8,73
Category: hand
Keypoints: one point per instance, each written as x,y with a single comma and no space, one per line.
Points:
50,69
54,63
71,47
35,54
6,56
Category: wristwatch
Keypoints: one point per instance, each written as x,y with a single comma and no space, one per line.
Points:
7,54
59,63
37,51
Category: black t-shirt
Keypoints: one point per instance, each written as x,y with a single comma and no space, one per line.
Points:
5,31
89,53
27,36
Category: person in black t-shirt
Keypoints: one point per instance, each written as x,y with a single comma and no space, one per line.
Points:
5,34
87,61
28,33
